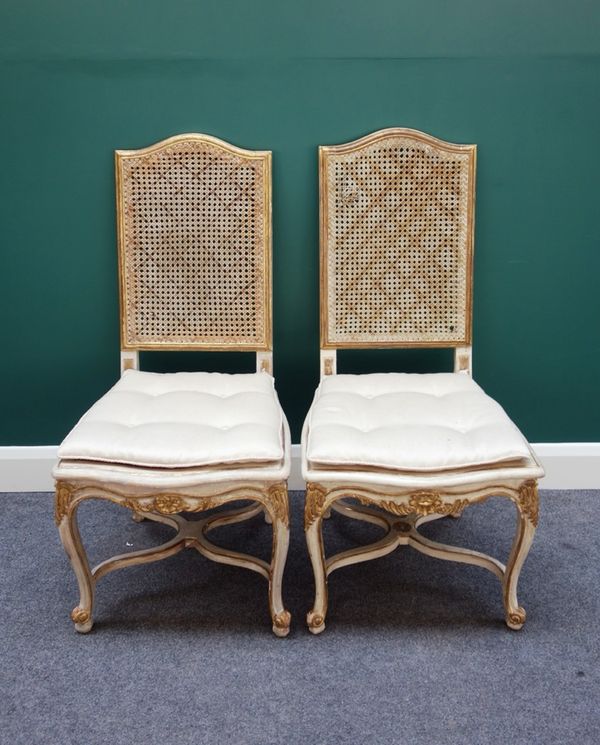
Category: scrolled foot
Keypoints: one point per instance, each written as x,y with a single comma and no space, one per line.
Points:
82,619
281,623
516,618
316,622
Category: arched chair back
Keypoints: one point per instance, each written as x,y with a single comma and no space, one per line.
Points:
396,244
194,237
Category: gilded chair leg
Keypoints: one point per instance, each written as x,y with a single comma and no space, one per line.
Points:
281,538
314,540
515,614
71,540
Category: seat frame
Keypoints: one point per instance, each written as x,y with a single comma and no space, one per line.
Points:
169,505
401,510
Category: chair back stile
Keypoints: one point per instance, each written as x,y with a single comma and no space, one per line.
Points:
396,235
194,242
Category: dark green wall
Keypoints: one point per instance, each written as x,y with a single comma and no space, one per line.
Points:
521,80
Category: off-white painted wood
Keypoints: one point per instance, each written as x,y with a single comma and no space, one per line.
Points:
166,509
264,362
130,360
403,530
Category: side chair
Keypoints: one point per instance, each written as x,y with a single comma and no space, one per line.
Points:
194,246
398,450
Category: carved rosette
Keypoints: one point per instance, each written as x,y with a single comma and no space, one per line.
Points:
424,503
314,505
62,500
278,499
170,504
529,502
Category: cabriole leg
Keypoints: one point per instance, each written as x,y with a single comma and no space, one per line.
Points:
526,525
71,540
280,521
313,525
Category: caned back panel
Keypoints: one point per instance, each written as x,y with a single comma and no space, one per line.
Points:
194,225
396,241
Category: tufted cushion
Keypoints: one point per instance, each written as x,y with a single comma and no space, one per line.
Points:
410,423
176,420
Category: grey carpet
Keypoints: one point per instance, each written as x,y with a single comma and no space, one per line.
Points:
415,650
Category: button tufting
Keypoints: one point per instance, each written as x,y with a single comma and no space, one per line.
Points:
175,420
414,422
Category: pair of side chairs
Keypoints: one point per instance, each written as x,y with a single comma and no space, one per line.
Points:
395,450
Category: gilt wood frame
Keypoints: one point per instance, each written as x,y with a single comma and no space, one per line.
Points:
326,152
261,156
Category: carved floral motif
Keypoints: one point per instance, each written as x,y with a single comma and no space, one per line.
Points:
169,504
279,500
313,508
528,501
62,500
425,503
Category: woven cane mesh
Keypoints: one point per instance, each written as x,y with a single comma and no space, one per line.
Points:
194,247
397,243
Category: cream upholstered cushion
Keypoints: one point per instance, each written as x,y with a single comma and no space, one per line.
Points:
408,422
181,420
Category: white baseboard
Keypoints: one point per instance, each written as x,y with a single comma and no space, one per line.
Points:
27,468
295,481
569,465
